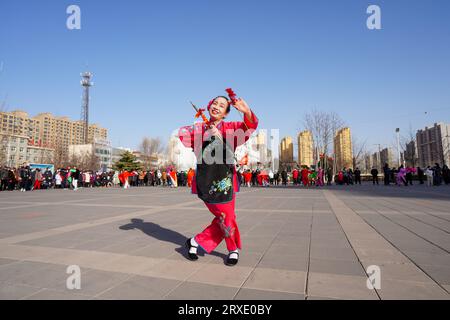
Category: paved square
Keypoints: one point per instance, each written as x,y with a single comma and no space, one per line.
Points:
297,244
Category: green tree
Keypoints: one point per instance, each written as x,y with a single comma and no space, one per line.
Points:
127,162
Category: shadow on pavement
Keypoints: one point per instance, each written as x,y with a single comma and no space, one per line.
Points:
156,231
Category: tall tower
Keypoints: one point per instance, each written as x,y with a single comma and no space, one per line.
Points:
286,150
343,149
85,83
305,148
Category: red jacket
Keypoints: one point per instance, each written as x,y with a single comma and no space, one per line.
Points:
187,134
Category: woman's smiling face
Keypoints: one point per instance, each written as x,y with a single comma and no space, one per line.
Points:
218,109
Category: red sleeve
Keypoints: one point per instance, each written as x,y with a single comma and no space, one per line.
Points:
251,123
248,126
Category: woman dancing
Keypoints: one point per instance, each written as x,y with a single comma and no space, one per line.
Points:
215,182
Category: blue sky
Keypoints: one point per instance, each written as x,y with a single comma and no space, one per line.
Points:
149,58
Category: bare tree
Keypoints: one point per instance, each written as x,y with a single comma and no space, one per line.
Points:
323,127
74,160
150,147
90,161
60,157
3,149
84,161
359,152
46,156
408,147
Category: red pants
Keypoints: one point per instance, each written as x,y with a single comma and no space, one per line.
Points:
37,185
223,226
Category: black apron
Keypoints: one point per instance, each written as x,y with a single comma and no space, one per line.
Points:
215,180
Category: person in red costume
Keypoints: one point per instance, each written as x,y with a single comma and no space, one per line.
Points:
215,182
125,175
190,176
305,176
173,177
295,176
248,178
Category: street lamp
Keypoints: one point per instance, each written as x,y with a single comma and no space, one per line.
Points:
398,145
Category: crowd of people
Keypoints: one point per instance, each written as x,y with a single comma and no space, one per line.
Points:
72,178
306,176
299,176
433,175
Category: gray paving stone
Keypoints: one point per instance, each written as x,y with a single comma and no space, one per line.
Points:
200,291
16,291
93,282
441,274
277,280
13,271
343,267
253,294
219,274
289,249
429,258
402,271
141,288
333,253
320,298
276,236
339,287
6,261
49,294
51,276
410,290
284,261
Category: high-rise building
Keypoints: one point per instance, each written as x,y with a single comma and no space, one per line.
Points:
376,161
261,146
380,158
305,148
369,164
18,123
343,149
386,156
433,145
410,154
286,150
46,130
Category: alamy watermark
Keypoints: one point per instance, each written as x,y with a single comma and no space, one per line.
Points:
374,20
74,280
73,22
221,149
374,280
